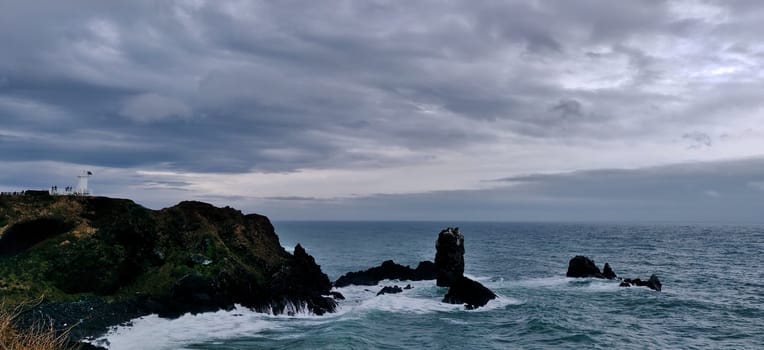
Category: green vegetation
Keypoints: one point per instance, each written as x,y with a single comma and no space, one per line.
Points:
3,221
66,248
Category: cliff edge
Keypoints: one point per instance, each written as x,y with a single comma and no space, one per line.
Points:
98,261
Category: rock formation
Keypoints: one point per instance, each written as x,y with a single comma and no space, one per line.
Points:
389,270
581,266
449,256
608,272
653,283
390,290
448,268
102,261
468,292
449,264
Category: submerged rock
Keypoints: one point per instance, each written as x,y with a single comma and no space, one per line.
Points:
581,266
468,292
389,270
390,290
449,256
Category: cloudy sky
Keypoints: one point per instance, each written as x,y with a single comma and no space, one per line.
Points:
444,110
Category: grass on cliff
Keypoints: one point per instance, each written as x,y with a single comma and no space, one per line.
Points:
38,337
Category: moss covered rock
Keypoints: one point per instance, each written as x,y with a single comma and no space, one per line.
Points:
187,258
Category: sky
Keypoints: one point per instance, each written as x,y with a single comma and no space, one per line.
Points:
590,110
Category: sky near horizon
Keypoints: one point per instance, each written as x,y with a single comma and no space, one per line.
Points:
440,110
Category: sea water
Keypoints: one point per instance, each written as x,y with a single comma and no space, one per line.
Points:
712,298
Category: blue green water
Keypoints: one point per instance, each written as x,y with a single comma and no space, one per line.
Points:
712,298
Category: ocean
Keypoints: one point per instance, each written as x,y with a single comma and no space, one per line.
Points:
712,298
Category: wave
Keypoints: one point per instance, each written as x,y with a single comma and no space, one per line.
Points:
425,297
567,283
153,332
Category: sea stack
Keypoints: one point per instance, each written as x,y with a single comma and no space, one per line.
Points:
449,267
449,256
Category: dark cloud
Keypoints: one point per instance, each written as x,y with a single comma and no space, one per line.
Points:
234,82
227,88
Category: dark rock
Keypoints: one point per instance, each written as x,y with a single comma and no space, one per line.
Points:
389,270
88,346
608,272
193,293
581,266
103,261
449,256
390,290
425,270
299,284
408,286
466,291
652,283
337,295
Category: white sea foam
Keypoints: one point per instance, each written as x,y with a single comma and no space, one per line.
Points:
154,333
568,283
543,282
423,298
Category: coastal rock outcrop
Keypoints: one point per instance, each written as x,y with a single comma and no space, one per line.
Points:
449,256
581,266
103,261
468,292
608,272
653,283
449,264
390,290
448,270
388,270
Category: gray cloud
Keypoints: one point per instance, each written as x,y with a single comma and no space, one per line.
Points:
728,191
290,198
152,107
698,139
226,87
260,77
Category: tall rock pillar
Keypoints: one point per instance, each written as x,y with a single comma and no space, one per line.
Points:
449,257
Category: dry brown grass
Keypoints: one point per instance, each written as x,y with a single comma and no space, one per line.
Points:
38,337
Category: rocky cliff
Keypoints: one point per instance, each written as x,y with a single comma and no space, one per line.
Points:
117,257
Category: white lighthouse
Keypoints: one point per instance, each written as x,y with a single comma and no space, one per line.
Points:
82,183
